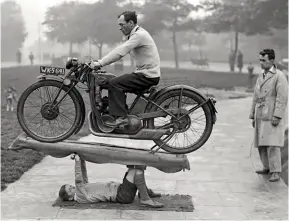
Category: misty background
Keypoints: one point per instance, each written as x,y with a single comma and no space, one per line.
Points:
182,29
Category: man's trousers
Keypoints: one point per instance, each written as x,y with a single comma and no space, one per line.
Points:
271,158
118,86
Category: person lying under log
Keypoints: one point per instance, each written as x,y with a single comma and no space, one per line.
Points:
85,192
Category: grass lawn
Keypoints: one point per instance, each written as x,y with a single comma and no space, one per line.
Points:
13,164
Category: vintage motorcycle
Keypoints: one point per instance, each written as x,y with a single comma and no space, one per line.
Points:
178,118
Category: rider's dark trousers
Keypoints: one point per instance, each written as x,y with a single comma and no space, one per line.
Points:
131,83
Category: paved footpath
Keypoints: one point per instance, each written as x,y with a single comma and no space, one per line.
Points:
222,181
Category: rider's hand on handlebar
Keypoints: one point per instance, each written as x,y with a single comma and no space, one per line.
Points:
95,65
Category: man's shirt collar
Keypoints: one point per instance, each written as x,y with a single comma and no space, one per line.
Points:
132,31
271,70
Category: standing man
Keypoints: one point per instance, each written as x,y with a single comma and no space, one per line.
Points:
18,56
268,113
240,61
31,58
250,74
143,49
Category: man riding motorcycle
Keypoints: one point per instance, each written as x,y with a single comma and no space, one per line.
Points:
143,49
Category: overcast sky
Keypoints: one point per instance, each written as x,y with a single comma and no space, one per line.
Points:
34,10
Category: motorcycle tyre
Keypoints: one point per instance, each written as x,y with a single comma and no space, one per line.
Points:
26,94
209,121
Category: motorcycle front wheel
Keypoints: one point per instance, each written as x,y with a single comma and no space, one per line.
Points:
48,111
190,132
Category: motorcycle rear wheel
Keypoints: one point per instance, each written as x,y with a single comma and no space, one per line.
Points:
185,131
53,117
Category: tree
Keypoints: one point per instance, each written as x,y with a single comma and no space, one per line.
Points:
280,38
152,21
170,15
12,30
65,23
249,17
101,23
197,39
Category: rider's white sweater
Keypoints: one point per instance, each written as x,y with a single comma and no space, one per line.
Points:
92,192
142,48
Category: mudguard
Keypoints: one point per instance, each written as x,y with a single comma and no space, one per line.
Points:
154,96
43,77
50,77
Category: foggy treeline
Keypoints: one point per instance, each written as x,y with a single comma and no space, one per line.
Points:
91,29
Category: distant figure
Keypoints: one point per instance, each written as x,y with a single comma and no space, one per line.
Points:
240,61
31,58
250,69
10,97
18,56
232,60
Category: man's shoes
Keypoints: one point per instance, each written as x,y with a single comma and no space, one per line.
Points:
152,194
264,171
120,121
150,203
274,177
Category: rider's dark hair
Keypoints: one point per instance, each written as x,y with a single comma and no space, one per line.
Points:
269,52
129,15
63,194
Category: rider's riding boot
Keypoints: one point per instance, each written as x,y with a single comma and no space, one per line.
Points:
120,121
145,200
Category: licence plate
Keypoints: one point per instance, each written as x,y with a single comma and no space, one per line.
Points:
52,70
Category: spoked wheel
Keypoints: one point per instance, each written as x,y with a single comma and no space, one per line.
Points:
47,113
191,130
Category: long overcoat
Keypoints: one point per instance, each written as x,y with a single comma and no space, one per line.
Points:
270,99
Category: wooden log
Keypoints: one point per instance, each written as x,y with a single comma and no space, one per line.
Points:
105,153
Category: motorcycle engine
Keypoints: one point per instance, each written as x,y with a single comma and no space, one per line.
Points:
134,125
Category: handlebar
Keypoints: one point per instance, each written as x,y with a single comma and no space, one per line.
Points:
87,64
98,70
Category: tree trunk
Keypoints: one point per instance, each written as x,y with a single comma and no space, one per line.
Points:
236,41
89,48
236,47
100,50
70,48
175,49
